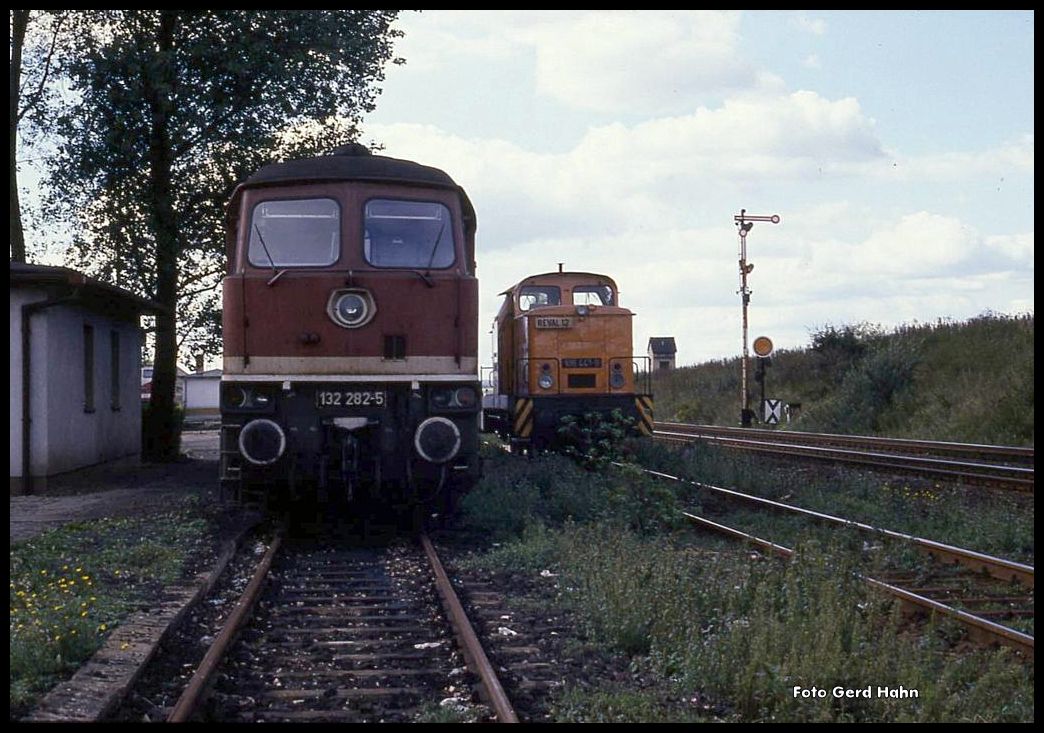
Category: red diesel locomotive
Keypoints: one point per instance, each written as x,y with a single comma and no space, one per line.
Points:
350,332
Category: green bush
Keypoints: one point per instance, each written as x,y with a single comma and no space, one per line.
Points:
595,439
968,381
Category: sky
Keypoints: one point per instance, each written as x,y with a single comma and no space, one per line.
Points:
896,147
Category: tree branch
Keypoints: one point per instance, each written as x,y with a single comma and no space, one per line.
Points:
33,99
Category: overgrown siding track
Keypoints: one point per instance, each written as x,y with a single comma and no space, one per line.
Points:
968,587
347,635
1003,466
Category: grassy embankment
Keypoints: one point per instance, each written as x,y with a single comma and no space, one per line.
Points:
967,382
732,635
71,586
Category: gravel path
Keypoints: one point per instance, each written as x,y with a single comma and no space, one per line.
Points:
119,490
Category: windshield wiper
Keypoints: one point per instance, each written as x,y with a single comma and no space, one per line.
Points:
269,255
431,259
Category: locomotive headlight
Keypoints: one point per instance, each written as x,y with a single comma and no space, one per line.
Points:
440,398
465,397
581,310
351,308
236,397
545,381
262,442
616,381
437,440
261,400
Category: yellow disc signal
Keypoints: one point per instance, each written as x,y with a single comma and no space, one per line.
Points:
762,346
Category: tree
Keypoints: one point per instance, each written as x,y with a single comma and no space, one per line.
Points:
174,108
32,63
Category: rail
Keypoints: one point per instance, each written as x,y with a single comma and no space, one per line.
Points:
997,567
980,627
770,442
475,657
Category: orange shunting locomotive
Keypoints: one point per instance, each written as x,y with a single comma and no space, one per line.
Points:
563,348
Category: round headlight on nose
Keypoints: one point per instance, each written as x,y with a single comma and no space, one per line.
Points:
262,442
437,440
351,308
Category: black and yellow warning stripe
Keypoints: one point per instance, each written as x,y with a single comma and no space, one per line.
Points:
523,422
644,405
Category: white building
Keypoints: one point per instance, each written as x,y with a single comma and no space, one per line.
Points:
75,373
202,394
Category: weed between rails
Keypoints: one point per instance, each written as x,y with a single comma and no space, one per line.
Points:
732,634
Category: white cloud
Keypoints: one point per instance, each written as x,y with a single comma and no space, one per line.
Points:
1016,247
1011,158
815,26
630,61
654,62
811,61
650,203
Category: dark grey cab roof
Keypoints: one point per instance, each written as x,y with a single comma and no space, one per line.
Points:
354,162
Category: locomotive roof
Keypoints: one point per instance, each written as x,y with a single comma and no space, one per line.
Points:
351,166
577,278
354,162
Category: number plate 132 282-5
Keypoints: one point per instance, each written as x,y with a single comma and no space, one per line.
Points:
350,398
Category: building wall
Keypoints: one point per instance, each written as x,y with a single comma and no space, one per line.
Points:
202,393
19,298
65,436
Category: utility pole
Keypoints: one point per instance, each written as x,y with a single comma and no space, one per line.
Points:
745,223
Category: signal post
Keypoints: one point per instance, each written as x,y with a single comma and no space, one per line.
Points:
745,223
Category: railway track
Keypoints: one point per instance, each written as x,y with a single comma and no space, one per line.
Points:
971,588
343,635
1002,466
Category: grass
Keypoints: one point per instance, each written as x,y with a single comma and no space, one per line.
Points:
732,634
990,521
71,586
968,381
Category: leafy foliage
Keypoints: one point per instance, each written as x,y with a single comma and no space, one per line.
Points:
969,381
595,439
172,109
233,89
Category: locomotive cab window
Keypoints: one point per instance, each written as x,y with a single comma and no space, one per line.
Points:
592,295
295,233
408,234
537,296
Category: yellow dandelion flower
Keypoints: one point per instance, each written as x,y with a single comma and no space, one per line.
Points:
124,645
102,627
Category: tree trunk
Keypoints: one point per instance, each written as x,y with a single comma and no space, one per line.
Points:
19,22
162,430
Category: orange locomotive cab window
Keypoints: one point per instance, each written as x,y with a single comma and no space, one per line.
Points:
536,296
